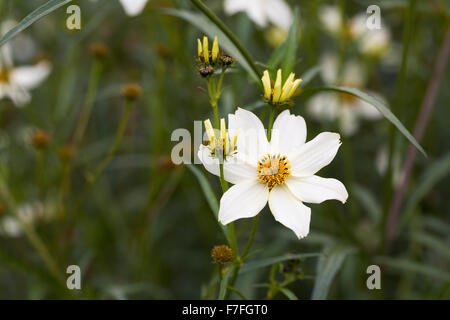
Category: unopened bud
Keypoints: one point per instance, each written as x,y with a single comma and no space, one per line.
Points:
40,139
131,91
66,152
206,70
99,50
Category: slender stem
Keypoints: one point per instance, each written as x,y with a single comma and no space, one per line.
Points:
251,238
117,141
212,16
269,128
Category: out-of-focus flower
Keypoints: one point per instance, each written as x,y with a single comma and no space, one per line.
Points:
346,108
280,172
16,82
132,7
275,36
375,42
261,12
279,93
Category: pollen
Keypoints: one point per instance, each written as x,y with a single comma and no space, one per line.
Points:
273,170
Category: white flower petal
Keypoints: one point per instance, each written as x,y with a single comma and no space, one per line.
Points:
234,169
255,11
323,106
331,19
329,68
288,133
133,7
30,77
289,211
314,155
243,200
353,75
279,13
234,6
315,189
252,142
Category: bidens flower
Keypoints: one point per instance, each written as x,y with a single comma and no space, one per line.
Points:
347,109
204,54
15,83
262,11
280,172
279,94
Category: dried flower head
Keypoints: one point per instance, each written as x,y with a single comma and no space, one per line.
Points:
99,50
131,91
40,139
66,152
222,254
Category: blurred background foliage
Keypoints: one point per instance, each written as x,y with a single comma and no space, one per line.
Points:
145,229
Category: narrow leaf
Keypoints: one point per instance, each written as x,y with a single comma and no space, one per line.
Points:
289,294
328,266
253,265
384,110
209,195
34,16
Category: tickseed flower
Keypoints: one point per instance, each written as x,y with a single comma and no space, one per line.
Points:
261,12
219,143
281,172
375,42
16,82
132,7
347,109
279,94
204,54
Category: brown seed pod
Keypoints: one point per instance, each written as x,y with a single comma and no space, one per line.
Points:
222,254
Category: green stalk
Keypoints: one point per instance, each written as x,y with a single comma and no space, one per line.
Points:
117,141
212,16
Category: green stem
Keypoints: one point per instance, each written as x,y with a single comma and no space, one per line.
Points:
269,129
251,238
117,141
212,16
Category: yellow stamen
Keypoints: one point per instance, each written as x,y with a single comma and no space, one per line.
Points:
273,170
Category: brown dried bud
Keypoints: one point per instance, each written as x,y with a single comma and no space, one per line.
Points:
222,254
40,139
164,162
131,91
99,50
226,59
206,70
66,152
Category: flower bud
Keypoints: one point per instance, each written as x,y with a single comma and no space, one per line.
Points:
222,254
66,152
99,50
131,91
206,70
40,139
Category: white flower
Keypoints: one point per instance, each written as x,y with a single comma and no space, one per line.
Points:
132,7
280,172
346,108
16,82
372,42
262,11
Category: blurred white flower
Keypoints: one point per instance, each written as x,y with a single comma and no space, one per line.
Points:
16,82
280,172
262,12
132,7
346,108
375,42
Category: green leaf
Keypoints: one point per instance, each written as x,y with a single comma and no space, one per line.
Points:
384,110
368,201
209,28
286,52
309,74
209,195
434,173
289,294
439,246
253,265
224,283
37,14
327,268
414,267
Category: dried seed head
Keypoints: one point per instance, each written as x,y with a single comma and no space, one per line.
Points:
40,139
206,70
226,59
66,152
131,91
99,50
222,254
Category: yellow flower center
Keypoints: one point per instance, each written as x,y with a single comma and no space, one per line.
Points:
273,170
4,76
